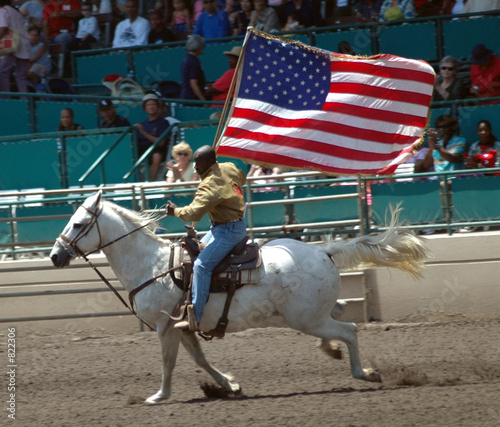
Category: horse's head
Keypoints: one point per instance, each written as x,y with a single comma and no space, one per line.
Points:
81,235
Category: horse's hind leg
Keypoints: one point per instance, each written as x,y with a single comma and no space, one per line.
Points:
330,347
193,347
333,330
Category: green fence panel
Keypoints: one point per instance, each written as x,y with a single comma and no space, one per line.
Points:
476,198
30,164
5,230
263,216
133,112
175,225
417,41
199,135
188,113
420,200
461,35
359,39
15,117
213,60
325,210
83,151
157,65
42,230
91,69
303,38
48,114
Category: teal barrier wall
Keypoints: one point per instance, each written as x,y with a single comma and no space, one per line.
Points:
359,39
476,198
14,117
461,35
417,41
91,69
158,65
32,163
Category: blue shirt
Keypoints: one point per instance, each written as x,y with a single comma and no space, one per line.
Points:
155,128
191,70
456,145
213,26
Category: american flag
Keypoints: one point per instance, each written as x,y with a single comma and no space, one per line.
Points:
306,108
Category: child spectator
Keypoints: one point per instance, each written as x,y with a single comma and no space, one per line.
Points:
134,30
159,32
88,30
40,59
483,153
182,21
293,22
213,22
67,122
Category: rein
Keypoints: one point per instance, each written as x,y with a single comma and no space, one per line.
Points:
73,250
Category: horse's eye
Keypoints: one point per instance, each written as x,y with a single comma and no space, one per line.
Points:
77,225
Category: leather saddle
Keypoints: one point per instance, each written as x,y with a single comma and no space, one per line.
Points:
237,267
227,276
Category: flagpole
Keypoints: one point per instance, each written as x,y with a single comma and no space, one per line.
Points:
231,88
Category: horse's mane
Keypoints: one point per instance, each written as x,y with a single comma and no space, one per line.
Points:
138,219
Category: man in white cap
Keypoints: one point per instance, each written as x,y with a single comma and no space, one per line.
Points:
149,130
220,88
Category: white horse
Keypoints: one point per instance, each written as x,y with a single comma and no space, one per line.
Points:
298,286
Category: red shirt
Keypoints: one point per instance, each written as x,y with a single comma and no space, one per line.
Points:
488,80
222,84
60,22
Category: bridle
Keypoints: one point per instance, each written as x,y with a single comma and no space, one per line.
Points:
71,247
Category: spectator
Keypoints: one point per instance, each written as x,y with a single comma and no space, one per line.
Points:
343,9
452,7
393,10
40,60
483,153
473,6
367,10
445,153
33,11
159,32
345,48
427,7
193,77
264,17
88,30
148,132
240,19
484,72
109,118
293,22
183,168
17,61
220,88
263,171
213,22
448,86
310,15
59,21
182,19
67,122
197,10
134,30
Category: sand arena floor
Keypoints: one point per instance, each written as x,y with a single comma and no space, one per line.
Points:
434,374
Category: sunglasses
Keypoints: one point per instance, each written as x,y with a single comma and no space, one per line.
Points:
182,154
448,68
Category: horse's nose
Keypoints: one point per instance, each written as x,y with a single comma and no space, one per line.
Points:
54,259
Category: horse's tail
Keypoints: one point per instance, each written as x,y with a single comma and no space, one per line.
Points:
393,248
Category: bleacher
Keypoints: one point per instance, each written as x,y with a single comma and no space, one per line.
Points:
33,156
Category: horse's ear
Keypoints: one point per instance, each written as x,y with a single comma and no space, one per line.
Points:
93,201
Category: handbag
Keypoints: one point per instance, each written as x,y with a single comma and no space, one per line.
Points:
10,42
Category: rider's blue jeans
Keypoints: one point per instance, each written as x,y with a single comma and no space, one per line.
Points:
219,240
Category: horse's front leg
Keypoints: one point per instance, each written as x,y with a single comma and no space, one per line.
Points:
193,347
169,340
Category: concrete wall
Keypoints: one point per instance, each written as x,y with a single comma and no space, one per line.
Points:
462,281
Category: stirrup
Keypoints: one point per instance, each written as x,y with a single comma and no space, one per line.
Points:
193,324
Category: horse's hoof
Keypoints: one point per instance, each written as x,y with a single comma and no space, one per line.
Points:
156,399
372,375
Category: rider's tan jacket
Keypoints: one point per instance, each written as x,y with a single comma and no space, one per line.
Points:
219,194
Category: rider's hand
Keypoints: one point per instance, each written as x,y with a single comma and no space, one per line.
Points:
170,208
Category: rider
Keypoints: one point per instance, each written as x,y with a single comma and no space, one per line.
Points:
220,195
